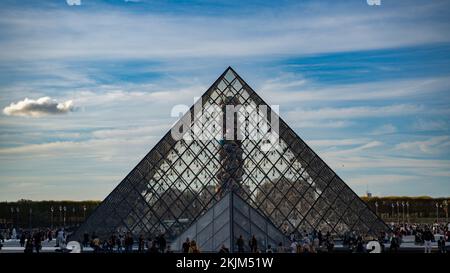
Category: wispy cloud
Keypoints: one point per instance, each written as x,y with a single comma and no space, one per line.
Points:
73,2
384,129
337,142
430,125
59,34
355,112
287,89
433,145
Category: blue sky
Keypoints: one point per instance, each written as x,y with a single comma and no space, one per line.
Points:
366,86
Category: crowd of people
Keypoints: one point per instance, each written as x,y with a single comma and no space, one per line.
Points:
302,242
31,240
424,235
123,242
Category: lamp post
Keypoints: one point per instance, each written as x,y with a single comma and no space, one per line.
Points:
398,212
403,212
64,219
84,212
51,217
446,210
407,211
392,215
73,216
437,212
17,216
12,216
376,207
60,215
31,225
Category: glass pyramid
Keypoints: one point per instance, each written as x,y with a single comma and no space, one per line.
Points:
262,159
226,221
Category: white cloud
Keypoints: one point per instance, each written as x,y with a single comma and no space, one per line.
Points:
430,125
384,129
137,94
379,179
295,123
289,89
433,145
337,142
37,108
354,112
133,132
99,34
73,2
350,161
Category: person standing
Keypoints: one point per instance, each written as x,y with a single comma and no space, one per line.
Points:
119,242
50,235
253,244
29,244
141,243
329,244
85,239
240,244
441,245
128,243
37,241
60,238
22,239
153,248
280,248
186,245
427,238
194,248
294,246
224,249
169,249
162,243
395,243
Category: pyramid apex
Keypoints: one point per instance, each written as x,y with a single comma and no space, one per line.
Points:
229,68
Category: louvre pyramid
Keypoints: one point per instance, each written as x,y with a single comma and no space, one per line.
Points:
230,218
180,179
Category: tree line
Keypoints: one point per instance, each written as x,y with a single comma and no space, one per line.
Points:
36,214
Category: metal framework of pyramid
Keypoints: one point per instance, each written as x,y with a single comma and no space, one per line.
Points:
180,179
230,218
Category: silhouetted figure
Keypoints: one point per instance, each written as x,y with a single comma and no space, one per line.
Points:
22,239
85,239
129,243
141,242
50,235
253,244
194,248
186,245
224,249
240,244
37,238
153,248
395,244
441,245
427,238
29,244
162,243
